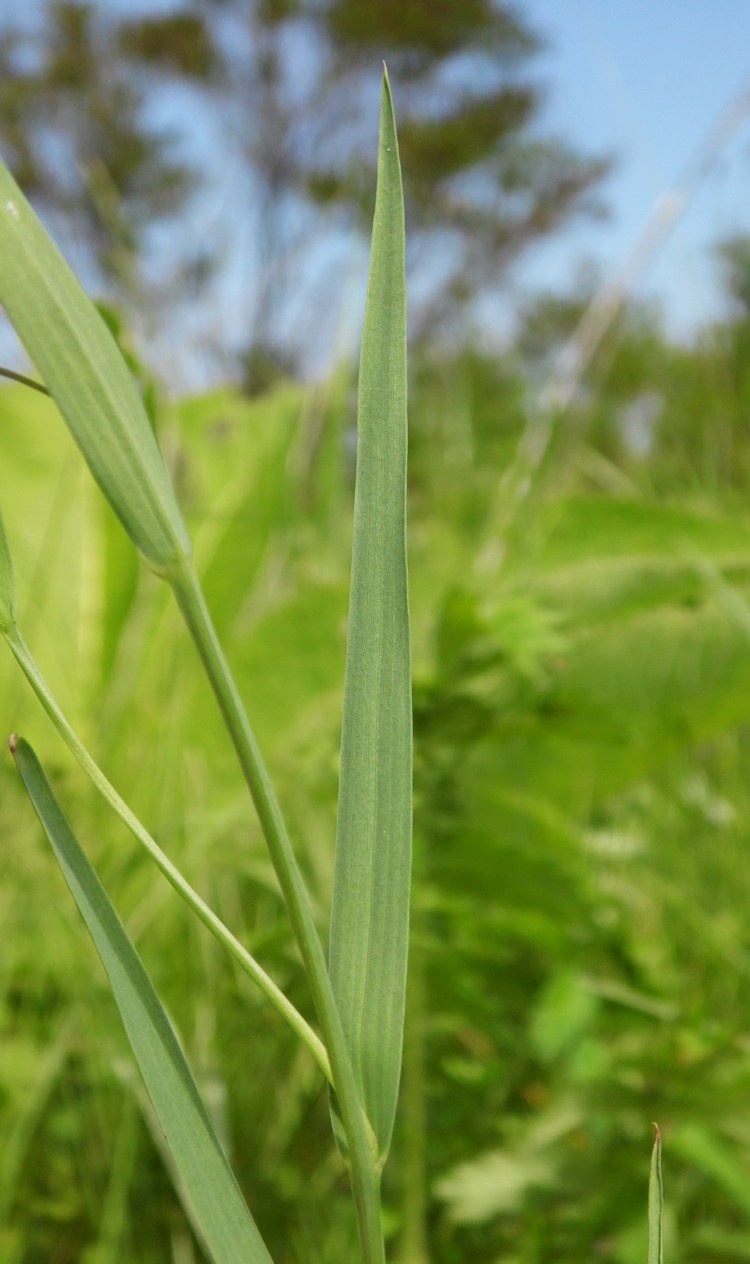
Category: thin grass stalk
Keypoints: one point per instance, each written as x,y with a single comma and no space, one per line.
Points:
362,1145
203,911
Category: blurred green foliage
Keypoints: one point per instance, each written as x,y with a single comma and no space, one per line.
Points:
582,700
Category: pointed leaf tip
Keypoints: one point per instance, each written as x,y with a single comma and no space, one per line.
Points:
69,342
655,1203
370,912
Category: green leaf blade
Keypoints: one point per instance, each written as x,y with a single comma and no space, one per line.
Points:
218,1208
655,1204
370,913
86,375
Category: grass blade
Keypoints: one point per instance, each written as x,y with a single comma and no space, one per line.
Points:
86,375
370,914
655,1204
220,1212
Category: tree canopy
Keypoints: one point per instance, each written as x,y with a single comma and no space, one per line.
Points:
117,123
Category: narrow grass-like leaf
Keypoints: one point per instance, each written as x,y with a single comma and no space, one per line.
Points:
370,914
655,1204
218,1207
86,375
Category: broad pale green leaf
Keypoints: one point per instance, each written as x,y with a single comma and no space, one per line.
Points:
655,1205
218,1208
369,923
7,586
85,373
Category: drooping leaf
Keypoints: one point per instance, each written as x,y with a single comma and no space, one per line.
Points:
86,375
369,923
218,1208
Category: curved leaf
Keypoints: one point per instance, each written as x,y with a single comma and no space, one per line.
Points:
86,375
218,1208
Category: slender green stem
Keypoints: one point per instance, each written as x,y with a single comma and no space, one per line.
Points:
24,380
361,1141
225,937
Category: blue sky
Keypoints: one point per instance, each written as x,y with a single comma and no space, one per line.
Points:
640,80
644,80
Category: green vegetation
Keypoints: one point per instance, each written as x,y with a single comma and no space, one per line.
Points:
360,1003
581,640
580,963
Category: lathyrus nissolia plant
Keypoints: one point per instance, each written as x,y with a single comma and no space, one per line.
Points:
358,993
